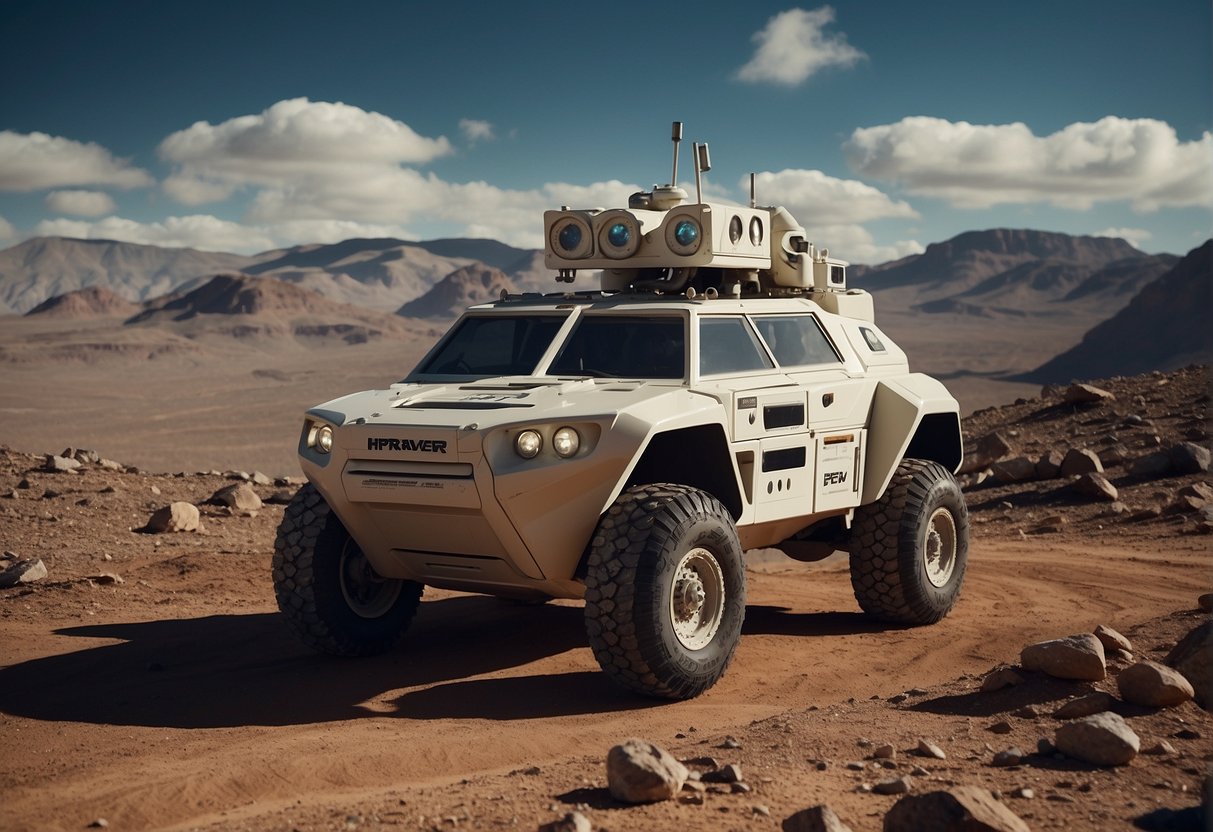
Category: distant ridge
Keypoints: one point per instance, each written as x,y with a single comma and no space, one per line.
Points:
1165,326
234,294
458,290
91,302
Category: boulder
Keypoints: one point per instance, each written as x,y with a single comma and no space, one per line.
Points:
640,772
1111,640
1086,394
1092,703
60,464
1151,466
1190,458
1153,685
1010,757
1074,657
259,478
958,809
1193,657
23,572
815,819
1080,461
1003,677
930,749
894,785
1048,467
1205,602
1096,486
239,496
1103,739
988,450
572,822
175,517
1020,469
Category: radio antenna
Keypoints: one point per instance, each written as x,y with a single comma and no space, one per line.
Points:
703,163
676,136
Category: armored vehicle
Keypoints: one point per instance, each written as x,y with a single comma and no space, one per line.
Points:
723,390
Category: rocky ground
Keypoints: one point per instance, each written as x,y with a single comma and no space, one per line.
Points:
147,680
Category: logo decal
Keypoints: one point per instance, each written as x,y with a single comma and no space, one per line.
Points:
429,446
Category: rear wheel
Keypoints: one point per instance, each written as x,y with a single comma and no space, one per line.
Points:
909,549
328,590
665,591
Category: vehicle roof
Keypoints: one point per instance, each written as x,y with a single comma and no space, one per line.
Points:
628,301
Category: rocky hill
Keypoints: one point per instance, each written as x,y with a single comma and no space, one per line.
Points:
92,302
459,290
1165,325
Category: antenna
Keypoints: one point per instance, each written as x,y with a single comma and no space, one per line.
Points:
753,191
676,136
703,162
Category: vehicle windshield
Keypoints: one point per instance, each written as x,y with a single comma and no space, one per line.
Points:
622,346
493,345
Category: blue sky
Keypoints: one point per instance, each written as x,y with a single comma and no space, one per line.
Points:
883,126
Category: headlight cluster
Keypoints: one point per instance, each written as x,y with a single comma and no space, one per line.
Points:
566,441
320,437
683,234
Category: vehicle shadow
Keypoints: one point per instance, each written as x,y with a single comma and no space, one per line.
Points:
241,670
761,619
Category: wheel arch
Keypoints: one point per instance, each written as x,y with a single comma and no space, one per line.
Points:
696,456
914,417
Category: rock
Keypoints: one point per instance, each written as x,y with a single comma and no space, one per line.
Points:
640,772
1086,394
1110,639
1199,490
930,749
1003,677
1080,461
572,822
1190,458
819,818
23,572
884,751
1074,657
726,774
1023,793
1092,703
259,478
1153,685
106,578
1102,739
1151,466
109,464
729,742
959,809
60,464
1205,602
1193,657
1162,747
1020,469
896,785
1095,486
1048,467
1010,757
280,497
239,496
175,517
988,450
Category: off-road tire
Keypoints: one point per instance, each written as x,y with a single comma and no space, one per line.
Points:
649,541
893,554
310,551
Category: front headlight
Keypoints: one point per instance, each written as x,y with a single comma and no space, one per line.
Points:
683,235
618,235
324,439
566,442
528,443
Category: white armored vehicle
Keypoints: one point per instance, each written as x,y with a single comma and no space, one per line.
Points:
724,390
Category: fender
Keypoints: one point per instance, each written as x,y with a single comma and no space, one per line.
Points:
899,409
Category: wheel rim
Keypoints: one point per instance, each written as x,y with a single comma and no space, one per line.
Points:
367,593
697,599
939,548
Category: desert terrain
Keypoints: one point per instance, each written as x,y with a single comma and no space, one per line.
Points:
148,682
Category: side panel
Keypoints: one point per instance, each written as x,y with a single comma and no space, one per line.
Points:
897,410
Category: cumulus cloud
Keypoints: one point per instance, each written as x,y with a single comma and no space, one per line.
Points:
196,231
34,161
1114,159
792,46
296,143
7,232
1133,236
80,203
817,199
475,130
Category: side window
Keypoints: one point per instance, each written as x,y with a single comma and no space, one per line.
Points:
796,340
727,345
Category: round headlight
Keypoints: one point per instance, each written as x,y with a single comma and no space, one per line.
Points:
683,235
734,229
527,444
618,235
756,231
324,439
566,442
570,238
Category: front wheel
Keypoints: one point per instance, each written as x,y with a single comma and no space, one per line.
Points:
909,549
328,590
665,591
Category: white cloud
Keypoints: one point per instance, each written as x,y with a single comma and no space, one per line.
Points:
7,232
80,203
817,199
793,46
475,130
1133,236
296,143
855,244
1114,159
195,231
34,161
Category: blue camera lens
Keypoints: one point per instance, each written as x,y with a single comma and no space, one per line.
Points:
686,233
569,237
619,235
